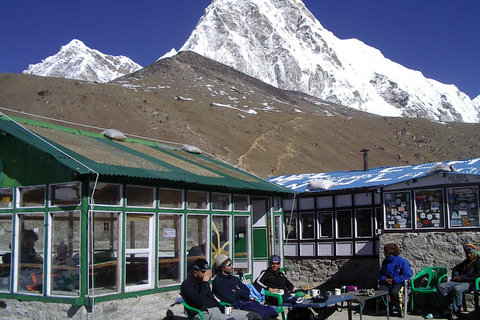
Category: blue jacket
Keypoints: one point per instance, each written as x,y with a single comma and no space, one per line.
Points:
396,268
230,289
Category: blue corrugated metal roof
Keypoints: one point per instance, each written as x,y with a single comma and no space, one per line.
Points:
375,177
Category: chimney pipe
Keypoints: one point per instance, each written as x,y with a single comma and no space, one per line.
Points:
365,159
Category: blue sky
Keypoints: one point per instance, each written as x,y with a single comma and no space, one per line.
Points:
440,38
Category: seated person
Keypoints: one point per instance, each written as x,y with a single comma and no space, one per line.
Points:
196,292
28,253
463,279
272,279
30,276
393,273
230,289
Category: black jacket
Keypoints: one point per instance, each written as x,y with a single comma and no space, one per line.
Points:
198,294
468,272
271,279
230,289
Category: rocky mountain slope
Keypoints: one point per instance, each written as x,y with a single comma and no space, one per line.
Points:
77,61
282,43
189,99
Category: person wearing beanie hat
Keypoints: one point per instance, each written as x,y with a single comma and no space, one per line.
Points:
393,273
220,262
230,289
463,280
196,292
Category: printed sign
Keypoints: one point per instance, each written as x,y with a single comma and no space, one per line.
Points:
463,206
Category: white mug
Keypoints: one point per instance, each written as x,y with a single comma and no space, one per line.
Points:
315,292
338,291
228,310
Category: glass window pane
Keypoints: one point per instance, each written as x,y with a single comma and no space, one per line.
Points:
220,236
220,201
240,202
429,208
169,249
138,196
30,248
5,251
398,210
197,231
306,203
65,249
344,223
364,222
32,196
379,218
325,221
290,226
107,194
307,224
65,194
463,207
241,259
6,198
277,204
197,199
137,249
105,253
171,198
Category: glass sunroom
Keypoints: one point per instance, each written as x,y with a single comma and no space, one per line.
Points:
84,218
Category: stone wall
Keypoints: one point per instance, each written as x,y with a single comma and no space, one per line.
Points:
432,248
150,307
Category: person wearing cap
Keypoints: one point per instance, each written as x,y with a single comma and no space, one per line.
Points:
272,279
393,273
196,292
230,289
463,279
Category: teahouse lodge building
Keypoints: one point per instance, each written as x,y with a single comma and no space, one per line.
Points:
349,215
86,219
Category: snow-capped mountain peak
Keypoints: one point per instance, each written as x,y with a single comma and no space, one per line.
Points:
77,61
282,43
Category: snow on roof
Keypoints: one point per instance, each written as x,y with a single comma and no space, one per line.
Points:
374,177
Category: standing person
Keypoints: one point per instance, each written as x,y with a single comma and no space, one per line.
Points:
393,273
272,279
230,289
196,292
463,279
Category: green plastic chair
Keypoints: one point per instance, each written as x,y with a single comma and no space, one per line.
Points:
476,293
426,281
187,307
279,309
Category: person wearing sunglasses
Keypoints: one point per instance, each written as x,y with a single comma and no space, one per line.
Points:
230,289
196,292
272,279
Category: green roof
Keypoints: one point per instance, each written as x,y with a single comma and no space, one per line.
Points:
91,153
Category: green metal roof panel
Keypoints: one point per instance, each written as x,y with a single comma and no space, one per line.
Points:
87,153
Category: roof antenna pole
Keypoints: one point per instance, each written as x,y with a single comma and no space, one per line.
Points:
365,159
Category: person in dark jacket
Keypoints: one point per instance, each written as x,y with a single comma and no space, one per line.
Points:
272,279
393,273
196,292
463,279
230,289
